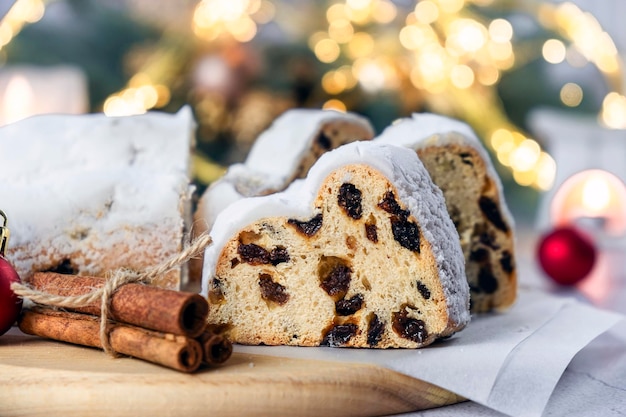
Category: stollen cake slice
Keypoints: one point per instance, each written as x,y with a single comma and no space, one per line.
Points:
88,194
361,253
460,165
282,153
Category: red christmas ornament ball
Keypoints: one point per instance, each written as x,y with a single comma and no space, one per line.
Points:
10,304
566,255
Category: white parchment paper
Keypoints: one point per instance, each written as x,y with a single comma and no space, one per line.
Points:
510,362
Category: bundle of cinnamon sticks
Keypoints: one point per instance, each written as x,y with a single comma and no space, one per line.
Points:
157,325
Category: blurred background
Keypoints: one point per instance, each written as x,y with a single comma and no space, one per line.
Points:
541,82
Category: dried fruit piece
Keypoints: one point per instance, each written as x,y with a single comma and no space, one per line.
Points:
486,280
256,255
409,327
506,261
216,293
272,291
491,211
279,254
349,199
349,306
339,334
466,158
423,290
371,231
64,267
323,141
309,227
390,205
479,255
336,280
253,254
375,330
406,233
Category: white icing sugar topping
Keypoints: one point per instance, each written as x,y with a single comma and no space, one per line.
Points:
415,190
70,182
426,129
277,151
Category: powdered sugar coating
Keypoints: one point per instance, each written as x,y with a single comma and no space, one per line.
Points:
424,129
86,186
289,139
415,190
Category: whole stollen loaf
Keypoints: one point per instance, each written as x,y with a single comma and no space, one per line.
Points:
361,253
459,164
88,194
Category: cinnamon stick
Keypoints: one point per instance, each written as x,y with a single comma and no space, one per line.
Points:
142,305
173,351
216,349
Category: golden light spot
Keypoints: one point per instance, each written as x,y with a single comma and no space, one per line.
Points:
553,51
358,4
613,113
358,10
571,94
500,30
525,156
362,44
466,36
426,12
334,104
546,172
340,30
384,12
348,75
415,36
336,11
504,151
462,76
243,29
371,74
524,178
500,137
334,82
451,6
327,50
315,38
488,75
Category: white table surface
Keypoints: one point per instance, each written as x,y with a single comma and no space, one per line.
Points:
594,384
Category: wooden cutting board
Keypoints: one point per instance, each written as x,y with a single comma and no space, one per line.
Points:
45,378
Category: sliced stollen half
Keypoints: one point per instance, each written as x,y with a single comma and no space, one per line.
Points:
460,165
361,253
86,194
282,153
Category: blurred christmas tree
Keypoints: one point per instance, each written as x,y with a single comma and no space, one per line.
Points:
240,63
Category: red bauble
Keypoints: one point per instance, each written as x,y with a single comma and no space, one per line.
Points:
566,255
10,304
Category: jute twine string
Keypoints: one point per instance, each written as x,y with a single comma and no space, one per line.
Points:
114,280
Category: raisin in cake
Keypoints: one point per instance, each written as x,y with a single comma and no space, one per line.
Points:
282,153
361,253
459,164
88,194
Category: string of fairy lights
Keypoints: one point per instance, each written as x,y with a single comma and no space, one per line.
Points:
442,49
